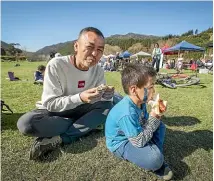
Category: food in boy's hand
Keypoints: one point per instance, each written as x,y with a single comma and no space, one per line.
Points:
162,107
158,105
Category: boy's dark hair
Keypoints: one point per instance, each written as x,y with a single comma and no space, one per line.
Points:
136,74
41,68
91,29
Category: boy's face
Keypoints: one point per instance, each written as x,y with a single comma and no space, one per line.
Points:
140,92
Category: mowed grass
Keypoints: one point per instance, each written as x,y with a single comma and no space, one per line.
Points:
188,144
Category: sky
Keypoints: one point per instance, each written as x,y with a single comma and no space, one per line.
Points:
37,24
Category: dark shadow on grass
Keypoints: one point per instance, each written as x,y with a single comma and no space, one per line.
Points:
195,86
9,121
180,121
84,144
50,156
180,144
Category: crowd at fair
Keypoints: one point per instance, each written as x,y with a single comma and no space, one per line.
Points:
113,63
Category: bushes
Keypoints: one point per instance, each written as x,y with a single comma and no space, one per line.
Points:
12,58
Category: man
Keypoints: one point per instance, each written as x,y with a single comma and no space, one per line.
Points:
71,103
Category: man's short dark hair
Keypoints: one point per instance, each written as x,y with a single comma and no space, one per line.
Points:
136,74
91,29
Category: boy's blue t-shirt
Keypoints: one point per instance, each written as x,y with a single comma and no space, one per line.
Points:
38,75
123,122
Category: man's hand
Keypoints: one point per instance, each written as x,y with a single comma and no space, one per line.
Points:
90,96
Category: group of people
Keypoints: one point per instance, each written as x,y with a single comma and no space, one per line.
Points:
113,63
109,65
179,64
74,103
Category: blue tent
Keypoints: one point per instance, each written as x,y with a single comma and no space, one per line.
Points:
184,46
125,54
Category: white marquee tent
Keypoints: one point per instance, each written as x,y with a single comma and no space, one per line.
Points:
141,53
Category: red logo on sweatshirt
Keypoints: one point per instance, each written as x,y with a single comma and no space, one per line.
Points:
81,84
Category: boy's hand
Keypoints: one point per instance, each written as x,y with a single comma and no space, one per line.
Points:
158,106
153,114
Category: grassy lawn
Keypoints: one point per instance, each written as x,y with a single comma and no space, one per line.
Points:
188,144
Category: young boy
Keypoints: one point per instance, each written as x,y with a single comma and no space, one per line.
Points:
39,74
131,133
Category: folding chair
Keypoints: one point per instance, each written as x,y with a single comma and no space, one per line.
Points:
12,77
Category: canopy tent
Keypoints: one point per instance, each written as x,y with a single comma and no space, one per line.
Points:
165,47
167,53
109,56
141,53
183,46
125,54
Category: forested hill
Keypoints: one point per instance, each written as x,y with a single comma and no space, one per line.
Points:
134,42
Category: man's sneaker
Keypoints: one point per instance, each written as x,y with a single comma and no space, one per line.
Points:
164,172
100,127
43,145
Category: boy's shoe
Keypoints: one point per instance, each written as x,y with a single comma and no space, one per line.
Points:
164,173
43,145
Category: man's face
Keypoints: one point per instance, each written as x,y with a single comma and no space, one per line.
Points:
89,48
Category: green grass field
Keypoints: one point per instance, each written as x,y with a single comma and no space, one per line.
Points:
188,144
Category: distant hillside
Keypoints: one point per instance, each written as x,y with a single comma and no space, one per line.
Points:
134,36
6,46
132,42
67,47
63,48
128,42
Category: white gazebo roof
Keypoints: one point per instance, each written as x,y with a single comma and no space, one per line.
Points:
141,53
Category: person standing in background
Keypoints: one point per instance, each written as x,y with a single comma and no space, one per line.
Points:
156,56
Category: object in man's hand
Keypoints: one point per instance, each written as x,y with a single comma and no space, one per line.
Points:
109,87
109,93
101,88
158,105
